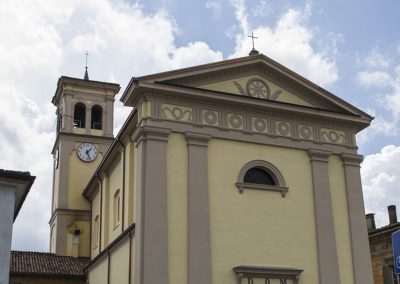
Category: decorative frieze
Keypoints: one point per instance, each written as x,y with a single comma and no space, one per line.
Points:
175,112
252,123
333,136
305,132
210,117
259,125
283,128
235,121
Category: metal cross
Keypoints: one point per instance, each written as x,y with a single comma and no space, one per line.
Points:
252,38
86,54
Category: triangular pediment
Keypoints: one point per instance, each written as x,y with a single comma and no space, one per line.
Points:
258,87
254,76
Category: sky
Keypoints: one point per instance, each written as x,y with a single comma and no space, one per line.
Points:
351,48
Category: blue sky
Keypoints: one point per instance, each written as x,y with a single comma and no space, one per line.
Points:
351,48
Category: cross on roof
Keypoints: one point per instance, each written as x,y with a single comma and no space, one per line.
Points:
252,38
86,77
86,54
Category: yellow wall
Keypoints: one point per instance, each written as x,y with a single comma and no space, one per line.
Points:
84,238
98,273
341,219
177,183
95,212
79,175
105,213
230,87
119,265
259,227
115,178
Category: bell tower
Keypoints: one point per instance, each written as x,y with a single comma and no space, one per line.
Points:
84,133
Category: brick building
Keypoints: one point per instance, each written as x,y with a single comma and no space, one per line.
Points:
380,242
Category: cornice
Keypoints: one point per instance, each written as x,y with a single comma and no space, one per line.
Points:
258,106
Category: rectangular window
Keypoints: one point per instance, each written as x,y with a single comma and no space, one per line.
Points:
117,211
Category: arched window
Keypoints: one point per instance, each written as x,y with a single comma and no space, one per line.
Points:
96,117
79,115
117,211
258,176
261,175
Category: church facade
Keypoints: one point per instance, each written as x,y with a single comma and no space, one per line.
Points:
239,171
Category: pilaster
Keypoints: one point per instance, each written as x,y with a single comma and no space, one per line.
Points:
199,259
358,227
326,241
151,247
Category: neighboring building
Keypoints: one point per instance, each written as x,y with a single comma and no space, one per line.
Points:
14,187
380,242
224,171
46,268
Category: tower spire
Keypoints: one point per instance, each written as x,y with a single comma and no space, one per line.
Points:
86,77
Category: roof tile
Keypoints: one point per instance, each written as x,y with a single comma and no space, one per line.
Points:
42,263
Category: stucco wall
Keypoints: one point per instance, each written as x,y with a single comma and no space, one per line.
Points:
115,184
119,263
114,264
259,227
98,273
80,173
95,212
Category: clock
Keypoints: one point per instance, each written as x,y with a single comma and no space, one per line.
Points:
56,158
87,152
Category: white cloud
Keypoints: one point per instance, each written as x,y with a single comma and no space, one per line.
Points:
379,126
289,42
215,6
381,178
261,9
376,79
48,39
376,59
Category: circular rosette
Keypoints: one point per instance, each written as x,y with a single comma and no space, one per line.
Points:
258,89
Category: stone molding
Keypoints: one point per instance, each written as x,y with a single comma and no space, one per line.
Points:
197,139
255,120
259,138
267,273
319,155
270,168
352,160
150,133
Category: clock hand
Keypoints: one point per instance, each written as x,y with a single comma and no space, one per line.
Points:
88,151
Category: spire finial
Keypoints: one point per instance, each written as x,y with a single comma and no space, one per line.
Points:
253,51
86,67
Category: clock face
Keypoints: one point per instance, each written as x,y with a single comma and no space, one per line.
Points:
87,152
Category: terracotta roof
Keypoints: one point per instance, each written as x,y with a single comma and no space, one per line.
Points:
14,174
47,264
